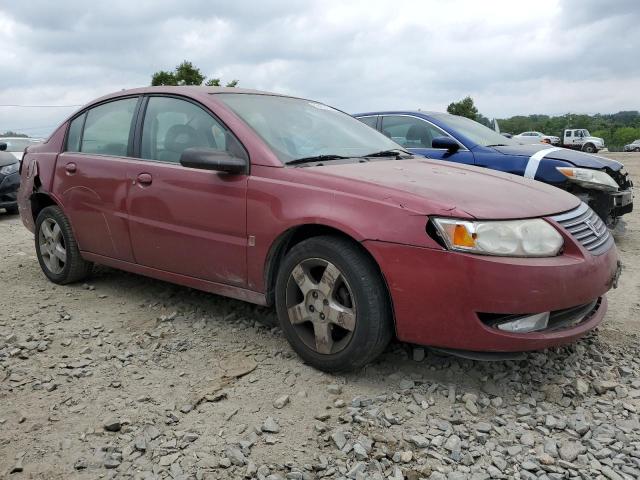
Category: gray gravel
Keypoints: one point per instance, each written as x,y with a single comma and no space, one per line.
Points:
127,377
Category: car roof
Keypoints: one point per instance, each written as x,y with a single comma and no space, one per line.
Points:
402,112
188,90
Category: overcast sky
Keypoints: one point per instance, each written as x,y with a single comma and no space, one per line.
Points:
512,57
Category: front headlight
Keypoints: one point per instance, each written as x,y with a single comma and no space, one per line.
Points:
9,169
589,178
507,238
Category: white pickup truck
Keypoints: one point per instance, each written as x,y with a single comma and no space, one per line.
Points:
581,139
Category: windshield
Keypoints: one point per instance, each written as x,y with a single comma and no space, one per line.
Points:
474,131
296,128
18,144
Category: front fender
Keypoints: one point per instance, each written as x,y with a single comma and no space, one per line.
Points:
275,206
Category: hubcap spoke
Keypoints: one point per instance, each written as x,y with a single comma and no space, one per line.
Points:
46,229
60,252
303,280
329,278
342,316
298,314
44,248
56,233
322,332
54,265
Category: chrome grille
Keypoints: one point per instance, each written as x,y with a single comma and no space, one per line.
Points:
587,228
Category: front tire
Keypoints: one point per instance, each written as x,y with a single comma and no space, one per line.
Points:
57,249
333,304
589,148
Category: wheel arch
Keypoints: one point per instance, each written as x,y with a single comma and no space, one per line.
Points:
294,235
40,200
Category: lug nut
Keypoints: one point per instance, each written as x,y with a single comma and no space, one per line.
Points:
325,301
315,294
311,309
322,316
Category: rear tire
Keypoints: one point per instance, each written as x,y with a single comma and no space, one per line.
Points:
12,210
57,249
332,304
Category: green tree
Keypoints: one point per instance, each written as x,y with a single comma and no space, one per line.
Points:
186,74
215,82
163,78
464,108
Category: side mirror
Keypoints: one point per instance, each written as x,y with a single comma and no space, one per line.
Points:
3,146
446,143
212,159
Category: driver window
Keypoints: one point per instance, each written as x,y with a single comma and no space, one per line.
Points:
172,125
410,132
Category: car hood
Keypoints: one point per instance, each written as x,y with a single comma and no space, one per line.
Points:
444,188
6,158
577,158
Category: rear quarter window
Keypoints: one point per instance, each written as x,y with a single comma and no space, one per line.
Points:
75,134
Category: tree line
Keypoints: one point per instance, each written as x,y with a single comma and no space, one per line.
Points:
617,129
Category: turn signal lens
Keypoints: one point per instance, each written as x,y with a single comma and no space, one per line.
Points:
463,237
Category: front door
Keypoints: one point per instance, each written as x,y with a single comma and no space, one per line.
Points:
183,220
91,178
416,135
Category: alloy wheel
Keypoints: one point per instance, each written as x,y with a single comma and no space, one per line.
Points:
320,305
52,246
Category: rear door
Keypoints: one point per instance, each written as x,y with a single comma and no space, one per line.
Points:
184,220
416,135
91,177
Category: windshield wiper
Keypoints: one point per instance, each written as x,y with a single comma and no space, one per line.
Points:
317,158
388,153
497,145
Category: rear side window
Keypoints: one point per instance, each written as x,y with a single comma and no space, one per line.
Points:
410,132
107,128
371,121
75,134
172,125
569,133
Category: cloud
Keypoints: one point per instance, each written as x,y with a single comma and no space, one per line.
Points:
362,55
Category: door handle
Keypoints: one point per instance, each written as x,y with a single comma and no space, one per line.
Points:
145,179
71,167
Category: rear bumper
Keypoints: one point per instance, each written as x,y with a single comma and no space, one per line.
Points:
439,296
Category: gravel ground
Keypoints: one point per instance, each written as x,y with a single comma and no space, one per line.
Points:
127,377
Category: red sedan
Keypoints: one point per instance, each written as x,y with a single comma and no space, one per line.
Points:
280,200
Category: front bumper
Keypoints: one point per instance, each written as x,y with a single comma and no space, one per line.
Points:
440,297
8,190
610,205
